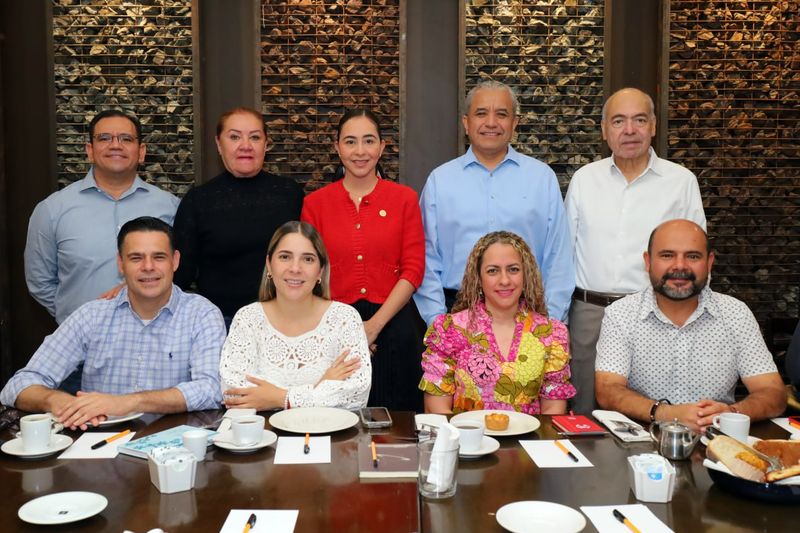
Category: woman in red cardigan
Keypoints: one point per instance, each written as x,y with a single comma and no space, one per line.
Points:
372,229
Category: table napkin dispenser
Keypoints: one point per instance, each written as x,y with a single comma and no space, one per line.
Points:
652,477
172,469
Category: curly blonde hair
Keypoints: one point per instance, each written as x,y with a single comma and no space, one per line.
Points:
532,288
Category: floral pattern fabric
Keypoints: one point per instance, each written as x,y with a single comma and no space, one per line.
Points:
462,359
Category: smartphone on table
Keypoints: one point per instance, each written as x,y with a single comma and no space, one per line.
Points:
375,417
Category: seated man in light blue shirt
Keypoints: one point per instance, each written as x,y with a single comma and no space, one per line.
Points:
490,188
152,348
71,245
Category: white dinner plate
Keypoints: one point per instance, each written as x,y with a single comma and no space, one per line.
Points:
57,443
535,517
225,440
114,419
488,445
62,507
313,420
518,423
750,440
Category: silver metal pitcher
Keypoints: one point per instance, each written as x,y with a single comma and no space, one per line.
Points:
674,440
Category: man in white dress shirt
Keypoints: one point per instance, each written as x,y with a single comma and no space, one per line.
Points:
612,206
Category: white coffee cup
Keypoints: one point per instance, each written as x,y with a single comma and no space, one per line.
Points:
36,431
247,429
736,425
196,441
470,435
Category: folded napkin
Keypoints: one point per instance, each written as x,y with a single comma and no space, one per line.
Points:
441,468
607,418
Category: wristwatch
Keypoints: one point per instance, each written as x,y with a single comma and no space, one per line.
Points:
654,407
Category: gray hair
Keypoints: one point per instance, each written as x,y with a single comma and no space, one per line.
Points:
647,96
492,84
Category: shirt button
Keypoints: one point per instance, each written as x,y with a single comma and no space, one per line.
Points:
363,290
358,225
359,257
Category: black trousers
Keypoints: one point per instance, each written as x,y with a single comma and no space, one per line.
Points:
396,368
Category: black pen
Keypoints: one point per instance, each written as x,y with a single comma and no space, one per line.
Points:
621,517
250,523
306,447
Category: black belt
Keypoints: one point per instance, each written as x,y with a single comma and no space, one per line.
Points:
596,298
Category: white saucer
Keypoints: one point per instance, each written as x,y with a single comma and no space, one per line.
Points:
57,443
488,445
112,420
535,516
518,423
225,440
62,507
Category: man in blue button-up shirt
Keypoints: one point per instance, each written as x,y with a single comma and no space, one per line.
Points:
152,348
71,246
490,188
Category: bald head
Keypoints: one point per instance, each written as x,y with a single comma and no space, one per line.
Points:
681,229
629,93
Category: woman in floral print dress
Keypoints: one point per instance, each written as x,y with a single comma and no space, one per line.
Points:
497,349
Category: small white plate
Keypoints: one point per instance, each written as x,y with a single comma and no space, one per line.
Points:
114,419
313,420
488,445
225,440
62,507
518,423
535,516
57,443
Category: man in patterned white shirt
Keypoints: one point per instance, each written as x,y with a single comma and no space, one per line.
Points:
151,348
677,349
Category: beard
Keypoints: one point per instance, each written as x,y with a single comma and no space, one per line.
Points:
693,289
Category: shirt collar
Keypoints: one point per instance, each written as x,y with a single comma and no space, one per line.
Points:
90,183
653,164
705,303
171,306
469,158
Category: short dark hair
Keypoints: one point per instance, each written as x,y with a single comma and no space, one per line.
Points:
115,113
241,110
145,224
653,234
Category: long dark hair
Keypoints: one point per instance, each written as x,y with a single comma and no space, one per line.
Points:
353,113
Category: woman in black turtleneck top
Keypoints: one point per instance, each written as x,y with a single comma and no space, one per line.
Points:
222,227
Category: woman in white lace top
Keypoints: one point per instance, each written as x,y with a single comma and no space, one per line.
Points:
295,347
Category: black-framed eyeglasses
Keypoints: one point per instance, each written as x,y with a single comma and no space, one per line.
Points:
108,138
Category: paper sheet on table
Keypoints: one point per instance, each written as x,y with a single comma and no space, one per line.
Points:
82,447
274,521
546,454
290,450
784,423
602,517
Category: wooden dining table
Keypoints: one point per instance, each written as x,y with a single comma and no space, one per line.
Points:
331,497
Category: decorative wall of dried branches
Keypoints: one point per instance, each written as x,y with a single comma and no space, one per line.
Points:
319,58
734,100
129,55
551,52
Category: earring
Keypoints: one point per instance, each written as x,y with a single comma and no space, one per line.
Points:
269,275
319,281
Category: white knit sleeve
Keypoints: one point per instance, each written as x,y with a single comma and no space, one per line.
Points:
240,351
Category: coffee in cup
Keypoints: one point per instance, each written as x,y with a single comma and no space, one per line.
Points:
247,429
36,432
470,435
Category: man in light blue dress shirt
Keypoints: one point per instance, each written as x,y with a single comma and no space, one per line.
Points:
151,348
492,187
71,246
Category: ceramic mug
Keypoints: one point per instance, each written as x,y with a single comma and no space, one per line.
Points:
247,430
736,425
36,432
470,435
